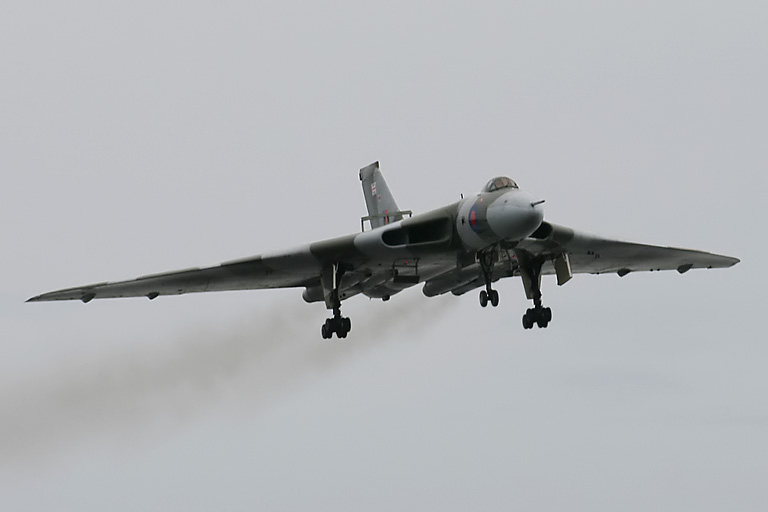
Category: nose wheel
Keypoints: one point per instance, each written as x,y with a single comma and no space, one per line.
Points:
487,259
489,295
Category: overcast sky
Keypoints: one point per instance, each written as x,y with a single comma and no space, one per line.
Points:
152,136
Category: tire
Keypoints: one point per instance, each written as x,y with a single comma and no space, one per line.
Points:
494,298
483,298
324,331
346,324
542,322
547,314
527,322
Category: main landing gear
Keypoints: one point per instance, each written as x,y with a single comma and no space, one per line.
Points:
337,324
487,259
538,314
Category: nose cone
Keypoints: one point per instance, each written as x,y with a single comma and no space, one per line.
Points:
513,217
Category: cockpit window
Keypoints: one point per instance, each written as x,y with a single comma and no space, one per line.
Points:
498,183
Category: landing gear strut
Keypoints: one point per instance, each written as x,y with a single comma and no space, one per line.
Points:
337,324
538,314
487,259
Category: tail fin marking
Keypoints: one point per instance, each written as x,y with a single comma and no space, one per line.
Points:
378,197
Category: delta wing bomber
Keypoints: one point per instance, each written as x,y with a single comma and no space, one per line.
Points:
499,232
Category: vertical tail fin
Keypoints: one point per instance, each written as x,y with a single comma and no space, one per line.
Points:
378,198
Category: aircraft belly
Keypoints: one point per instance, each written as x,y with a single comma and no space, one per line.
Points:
390,276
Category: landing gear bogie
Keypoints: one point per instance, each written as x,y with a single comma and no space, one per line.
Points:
338,325
539,316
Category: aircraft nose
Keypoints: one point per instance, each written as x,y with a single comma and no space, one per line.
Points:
515,215
532,210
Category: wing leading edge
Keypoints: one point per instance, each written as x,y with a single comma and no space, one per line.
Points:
246,275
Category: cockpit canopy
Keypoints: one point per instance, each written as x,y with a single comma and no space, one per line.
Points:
499,183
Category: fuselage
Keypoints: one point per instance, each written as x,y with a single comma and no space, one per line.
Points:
427,245
474,223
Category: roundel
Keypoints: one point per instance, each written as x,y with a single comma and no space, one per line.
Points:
473,218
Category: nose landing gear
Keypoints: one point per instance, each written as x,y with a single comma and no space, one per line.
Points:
487,259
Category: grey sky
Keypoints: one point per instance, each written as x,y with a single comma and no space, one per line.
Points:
154,136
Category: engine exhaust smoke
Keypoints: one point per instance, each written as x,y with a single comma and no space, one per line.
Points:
250,364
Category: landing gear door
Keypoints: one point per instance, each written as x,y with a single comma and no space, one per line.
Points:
563,269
